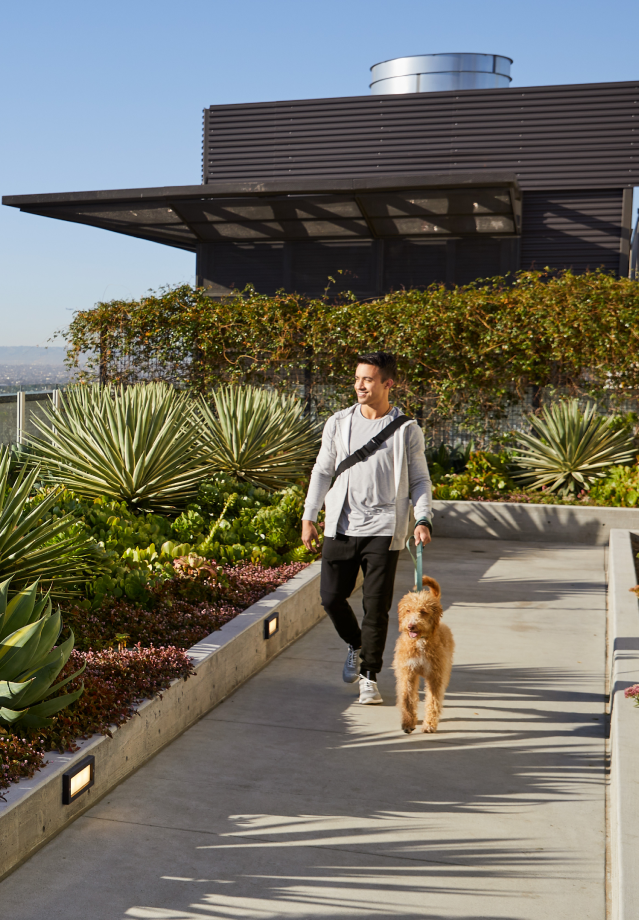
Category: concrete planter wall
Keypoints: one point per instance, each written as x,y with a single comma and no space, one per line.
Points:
624,729
33,812
543,523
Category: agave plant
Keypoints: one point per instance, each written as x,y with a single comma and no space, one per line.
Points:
139,445
258,436
30,661
32,544
570,449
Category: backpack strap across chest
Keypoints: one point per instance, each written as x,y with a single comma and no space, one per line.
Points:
372,445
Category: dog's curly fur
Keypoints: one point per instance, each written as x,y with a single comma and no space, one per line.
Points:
424,648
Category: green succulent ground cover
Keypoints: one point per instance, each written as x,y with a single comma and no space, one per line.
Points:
229,522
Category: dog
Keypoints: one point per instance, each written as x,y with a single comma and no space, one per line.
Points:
424,648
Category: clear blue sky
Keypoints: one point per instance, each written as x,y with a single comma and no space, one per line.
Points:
110,95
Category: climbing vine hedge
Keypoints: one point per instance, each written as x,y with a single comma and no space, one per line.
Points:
471,349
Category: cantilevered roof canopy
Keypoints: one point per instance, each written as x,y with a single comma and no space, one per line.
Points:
431,205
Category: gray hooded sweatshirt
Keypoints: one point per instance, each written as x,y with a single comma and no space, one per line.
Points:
408,478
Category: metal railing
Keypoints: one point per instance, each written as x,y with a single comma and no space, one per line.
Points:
18,410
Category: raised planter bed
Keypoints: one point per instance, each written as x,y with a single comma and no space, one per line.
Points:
33,812
526,522
623,643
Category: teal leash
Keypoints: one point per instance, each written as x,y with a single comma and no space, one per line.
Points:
419,562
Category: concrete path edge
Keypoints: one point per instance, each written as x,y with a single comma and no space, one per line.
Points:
534,523
624,729
33,812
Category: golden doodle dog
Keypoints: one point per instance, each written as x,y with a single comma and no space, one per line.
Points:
424,649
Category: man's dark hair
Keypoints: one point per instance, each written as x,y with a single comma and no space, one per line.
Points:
386,363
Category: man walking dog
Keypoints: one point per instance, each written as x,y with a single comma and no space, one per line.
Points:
376,458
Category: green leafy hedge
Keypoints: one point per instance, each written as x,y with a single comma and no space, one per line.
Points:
469,349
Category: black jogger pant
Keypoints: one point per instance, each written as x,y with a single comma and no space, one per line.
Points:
342,558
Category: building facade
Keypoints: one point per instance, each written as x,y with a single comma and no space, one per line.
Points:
393,190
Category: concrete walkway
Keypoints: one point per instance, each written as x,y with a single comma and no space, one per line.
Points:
290,800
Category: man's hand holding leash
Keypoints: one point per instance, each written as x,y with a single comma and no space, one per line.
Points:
421,534
310,537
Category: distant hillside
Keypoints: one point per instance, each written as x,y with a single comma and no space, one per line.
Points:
29,367
32,354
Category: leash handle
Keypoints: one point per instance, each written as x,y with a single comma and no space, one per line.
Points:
418,560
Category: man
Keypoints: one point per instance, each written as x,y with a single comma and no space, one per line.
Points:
367,511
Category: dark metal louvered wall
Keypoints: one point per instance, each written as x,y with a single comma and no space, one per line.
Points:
574,150
577,229
572,229
551,137
366,268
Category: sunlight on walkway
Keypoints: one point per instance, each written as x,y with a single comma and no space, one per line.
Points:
291,800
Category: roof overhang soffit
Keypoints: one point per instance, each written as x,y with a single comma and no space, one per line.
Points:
386,207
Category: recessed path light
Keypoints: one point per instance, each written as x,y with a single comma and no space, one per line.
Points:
78,779
271,625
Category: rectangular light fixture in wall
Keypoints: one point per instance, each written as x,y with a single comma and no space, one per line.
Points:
78,779
271,625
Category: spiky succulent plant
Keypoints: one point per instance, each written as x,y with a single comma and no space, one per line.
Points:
138,444
570,449
32,543
30,661
258,436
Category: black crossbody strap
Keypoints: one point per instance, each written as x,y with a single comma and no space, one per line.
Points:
373,445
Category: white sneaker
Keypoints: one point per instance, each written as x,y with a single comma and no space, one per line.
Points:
350,672
368,692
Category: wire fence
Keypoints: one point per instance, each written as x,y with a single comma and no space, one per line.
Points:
19,412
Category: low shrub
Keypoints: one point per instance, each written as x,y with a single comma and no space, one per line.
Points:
448,459
620,488
632,693
115,682
486,476
489,477
182,611
20,758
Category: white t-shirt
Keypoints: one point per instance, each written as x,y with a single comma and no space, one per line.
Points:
369,506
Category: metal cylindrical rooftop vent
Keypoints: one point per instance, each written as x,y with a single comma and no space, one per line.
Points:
429,73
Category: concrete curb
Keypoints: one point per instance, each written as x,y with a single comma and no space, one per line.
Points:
535,523
624,729
33,812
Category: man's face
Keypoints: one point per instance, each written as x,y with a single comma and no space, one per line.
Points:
369,386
